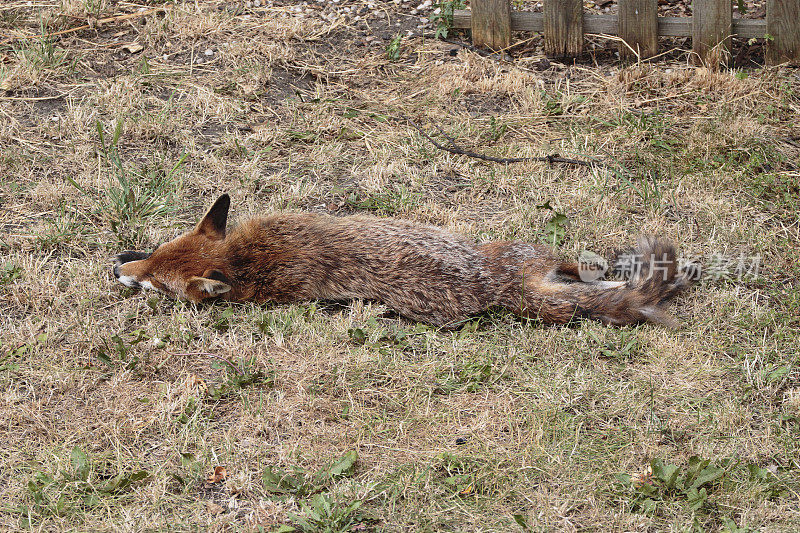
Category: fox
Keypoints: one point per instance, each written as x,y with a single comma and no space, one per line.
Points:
421,272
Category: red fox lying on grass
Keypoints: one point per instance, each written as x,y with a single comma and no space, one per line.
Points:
421,272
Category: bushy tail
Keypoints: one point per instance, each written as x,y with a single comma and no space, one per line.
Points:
652,277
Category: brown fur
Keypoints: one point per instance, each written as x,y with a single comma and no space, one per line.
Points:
422,272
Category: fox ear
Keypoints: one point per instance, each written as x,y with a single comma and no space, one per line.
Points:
207,287
213,223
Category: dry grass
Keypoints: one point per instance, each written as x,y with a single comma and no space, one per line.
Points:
115,406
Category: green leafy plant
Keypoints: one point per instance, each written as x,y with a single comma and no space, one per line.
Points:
62,229
623,344
116,350
133,195
320,512
192,471
470,375
136,195
667,482
443,19
463,475
223,321
552,104
283,321
389,202
324,514
555,229
496,129
10,359
9,272
302,484
239,376
384,339
42,53
394,48
67,492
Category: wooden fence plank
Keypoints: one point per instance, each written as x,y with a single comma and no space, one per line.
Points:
491,24
712,25
783,26
638,27
607,24
563,27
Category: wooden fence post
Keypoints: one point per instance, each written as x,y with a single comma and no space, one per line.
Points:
783,27
563,27
712,25
491,24
638,27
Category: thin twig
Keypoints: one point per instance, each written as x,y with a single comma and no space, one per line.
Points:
115,18
455,149
33,98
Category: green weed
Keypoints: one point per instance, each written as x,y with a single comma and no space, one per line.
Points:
95,7
496,129
285,320
324,514
620,344
670,483
244,373
63,228
469,375
399,200
11,359
302,483
555,230
133,195
394,48
42,53
443,20
192,471
67,493
9,273
384,339
319,511
692,486
116,351
223,320
463,476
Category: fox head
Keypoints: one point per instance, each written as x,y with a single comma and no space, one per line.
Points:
190,267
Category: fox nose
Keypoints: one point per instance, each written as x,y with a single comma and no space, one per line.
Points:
115,270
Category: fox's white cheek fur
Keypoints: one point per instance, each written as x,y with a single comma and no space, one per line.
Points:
128,281
147,285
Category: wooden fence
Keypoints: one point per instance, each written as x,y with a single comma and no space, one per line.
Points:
638,26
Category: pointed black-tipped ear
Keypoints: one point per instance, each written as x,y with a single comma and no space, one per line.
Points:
213,223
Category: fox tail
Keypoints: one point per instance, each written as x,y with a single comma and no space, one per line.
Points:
651,278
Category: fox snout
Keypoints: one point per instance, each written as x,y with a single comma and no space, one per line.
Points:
126,257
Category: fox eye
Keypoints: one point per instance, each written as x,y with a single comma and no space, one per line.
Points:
154,282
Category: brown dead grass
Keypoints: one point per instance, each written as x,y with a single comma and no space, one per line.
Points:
457,431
